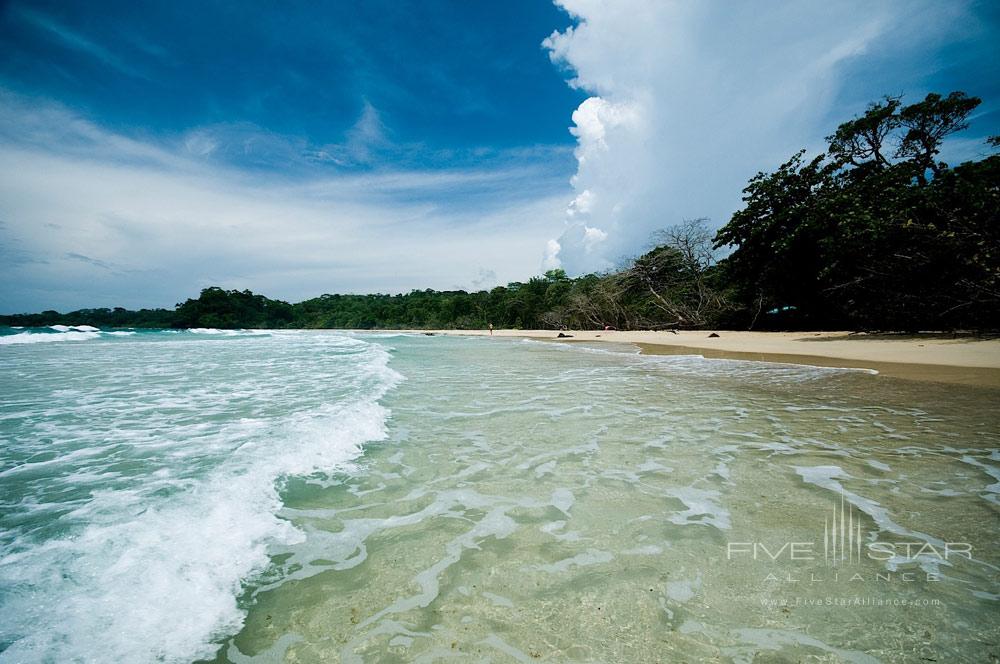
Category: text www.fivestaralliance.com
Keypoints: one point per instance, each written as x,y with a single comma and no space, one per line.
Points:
851,601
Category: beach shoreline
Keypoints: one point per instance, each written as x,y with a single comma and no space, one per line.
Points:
945,358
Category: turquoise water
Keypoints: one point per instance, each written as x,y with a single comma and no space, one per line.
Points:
314,496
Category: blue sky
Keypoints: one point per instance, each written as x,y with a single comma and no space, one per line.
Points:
447,83
150,149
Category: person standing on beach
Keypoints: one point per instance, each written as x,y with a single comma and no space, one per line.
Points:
491,329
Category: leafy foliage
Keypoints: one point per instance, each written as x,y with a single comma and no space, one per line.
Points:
856,240
232,309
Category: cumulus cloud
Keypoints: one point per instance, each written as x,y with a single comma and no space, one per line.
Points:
89,217
551,259
690,99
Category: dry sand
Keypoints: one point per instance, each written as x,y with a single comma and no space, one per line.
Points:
936,357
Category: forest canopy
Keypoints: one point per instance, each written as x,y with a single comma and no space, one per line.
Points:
876,233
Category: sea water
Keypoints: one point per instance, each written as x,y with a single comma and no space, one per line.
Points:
250,496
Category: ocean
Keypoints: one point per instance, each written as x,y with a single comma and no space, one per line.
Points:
293,496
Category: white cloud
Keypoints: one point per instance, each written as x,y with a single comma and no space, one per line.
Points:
367,135
92,218
200,143
581,204
690,99
551,259
592,238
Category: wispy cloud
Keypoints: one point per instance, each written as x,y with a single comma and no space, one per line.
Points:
72,255
85,206
365,152
367,136
75,41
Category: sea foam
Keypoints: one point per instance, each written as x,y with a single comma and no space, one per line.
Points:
47,337
154,570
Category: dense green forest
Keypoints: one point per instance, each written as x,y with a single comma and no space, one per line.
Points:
877,233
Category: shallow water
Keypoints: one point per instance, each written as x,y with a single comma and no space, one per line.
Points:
516,501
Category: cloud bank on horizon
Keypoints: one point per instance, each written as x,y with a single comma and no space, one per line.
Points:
296,152
690,99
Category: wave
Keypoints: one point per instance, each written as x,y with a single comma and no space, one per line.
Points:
229,333
388,335
72,328
54,333
154,578
46,337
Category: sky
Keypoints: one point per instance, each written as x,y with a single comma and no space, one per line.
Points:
148,150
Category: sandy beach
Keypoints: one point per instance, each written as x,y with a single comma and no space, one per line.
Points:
937,357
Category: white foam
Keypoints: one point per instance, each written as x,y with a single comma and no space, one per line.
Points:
229,333
77,328
158,579
388,335
46,337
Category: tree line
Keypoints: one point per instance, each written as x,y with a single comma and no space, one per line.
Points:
876,233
